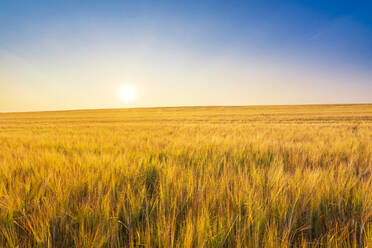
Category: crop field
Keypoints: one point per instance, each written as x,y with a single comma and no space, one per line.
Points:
257,176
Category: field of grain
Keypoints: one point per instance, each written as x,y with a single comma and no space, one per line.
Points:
270,176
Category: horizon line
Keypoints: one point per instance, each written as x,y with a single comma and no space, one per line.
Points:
180,106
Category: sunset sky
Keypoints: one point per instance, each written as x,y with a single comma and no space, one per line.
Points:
80,54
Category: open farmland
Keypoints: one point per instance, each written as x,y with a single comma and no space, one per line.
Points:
259,176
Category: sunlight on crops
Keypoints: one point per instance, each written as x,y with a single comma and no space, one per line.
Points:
274,176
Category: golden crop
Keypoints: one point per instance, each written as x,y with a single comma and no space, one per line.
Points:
274,176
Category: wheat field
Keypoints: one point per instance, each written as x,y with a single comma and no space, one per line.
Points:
258,176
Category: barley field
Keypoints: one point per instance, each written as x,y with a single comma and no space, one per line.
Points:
257,176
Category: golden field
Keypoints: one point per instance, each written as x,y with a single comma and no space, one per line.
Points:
259,176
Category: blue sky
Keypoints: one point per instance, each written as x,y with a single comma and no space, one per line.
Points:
75,54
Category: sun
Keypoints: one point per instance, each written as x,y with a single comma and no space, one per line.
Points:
127,93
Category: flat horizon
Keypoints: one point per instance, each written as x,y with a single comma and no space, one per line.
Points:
190,106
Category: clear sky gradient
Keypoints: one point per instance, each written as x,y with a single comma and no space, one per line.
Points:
74,54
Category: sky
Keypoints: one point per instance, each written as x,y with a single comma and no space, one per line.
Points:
72,54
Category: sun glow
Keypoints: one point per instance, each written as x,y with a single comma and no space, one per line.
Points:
127,93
